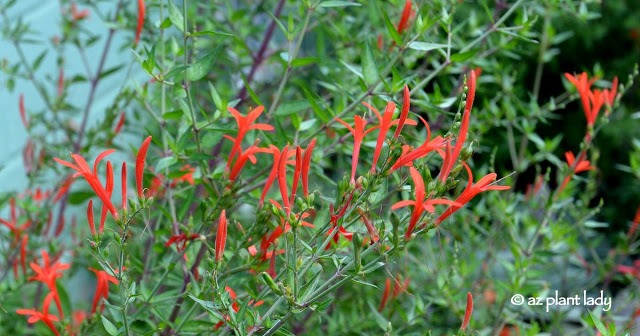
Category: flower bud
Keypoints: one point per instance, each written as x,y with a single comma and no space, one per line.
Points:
357,248
116,237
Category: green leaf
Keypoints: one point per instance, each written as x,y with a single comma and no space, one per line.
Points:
324,116
426,46
172,115
165,162
109,327
250,91
209,306
202,67
38,61
110,71
175,71
216,98
302,61
391,29
211,32
352,68
176,16
80,197
598,324
64,299
461,57
338,4
288,108
369,66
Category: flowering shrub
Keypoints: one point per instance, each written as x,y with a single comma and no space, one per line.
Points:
300,166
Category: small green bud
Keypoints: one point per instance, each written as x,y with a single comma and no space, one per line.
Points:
116,237
269,282
300,203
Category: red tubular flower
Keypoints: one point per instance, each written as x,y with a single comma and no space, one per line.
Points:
306,161
48,274
583,83
13,225
470,192
576,167
467,312
63,189
60,227
296,174
636,220
42,316
358,133
284,227
385,122
102,288
181,238
409,155
406,104
406,13
83,169
419,205
245,124
23,114
272,265
123,184
61,82
610,95
385,294
188,177
75,15
109,190
142,154
92,225
140,21
274,170
117,129
373,232
23,254
282,179
221,236
243,156
450,157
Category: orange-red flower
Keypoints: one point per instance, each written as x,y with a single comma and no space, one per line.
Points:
245,124
409,155
583,83
406,14
23,254
243,156
358,133
83,169
221,236
23,114
140,158
467,312
576,167
140,20
385,122
419,204
13,225
48,274
43,316
471,191
306,161
123,185
451,158
373,232
385,294
284,227
75,15
181,238
102,288
274,170
406,104
235,305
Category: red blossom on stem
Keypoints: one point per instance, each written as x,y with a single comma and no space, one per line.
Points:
409,155
109,190
181,238
75,15
245,124
61,82
92,225
83,169
140,21
419,204
575,167
221,236
23,254
140,158
123,184
13,225
467,312
450,158
23,114
102,288
42,316
406,14
470,192
404,113
358,133
48,274
243,156
274,170
385,294
373,232
306,162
